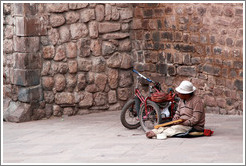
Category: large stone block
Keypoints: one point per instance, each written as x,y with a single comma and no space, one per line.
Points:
92,88
99,11
112,97
17,112
178,58
84,64
87,101
76,6
238,84
7,8
161,68
81,83
213,70
167,36
100,98
171,70
27,61
116,35
126,13
113,76
26,44
30,26
115,60
21,9
98,65
107,27
125,79
57,20
8,32
64,98
93,29
100,81
84,47
108,11
78,30
57,111
238,64
8,46
118,60
72,66
53,36
136,24
125,45
48,83
57,7
71,17
126,62
45,67
38,114
60,82
71,50
95,47
71,81
60,67
148,13
150,67
184,47
26,77
87,15
108,48
210,101
79,96
221,102
48,52
49,96
115,14
30,94
64,34
187,71
124,93
60,53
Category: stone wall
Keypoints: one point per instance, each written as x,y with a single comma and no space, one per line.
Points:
87,57
199,42
76,58
22,91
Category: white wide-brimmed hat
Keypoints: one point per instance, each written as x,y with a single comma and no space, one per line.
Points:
185,87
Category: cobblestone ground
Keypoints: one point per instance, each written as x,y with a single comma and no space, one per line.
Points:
100,138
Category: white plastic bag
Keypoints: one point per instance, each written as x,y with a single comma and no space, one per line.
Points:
165,112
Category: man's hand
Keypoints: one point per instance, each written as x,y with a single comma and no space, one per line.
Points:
175,118
176,123
150,134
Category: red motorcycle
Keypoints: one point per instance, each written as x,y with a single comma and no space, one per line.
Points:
156,108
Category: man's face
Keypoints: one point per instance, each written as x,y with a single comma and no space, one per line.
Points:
184,96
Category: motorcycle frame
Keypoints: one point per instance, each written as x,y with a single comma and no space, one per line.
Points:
144,101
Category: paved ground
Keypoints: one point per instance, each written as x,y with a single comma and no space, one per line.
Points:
100,138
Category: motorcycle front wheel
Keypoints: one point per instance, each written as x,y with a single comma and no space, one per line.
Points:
150,116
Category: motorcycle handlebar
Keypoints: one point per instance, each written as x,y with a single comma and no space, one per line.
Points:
142,76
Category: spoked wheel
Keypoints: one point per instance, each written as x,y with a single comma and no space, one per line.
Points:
150,117
129,115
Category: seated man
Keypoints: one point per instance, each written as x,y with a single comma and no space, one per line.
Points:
190,110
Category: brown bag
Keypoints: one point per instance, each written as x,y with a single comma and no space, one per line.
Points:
159,97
